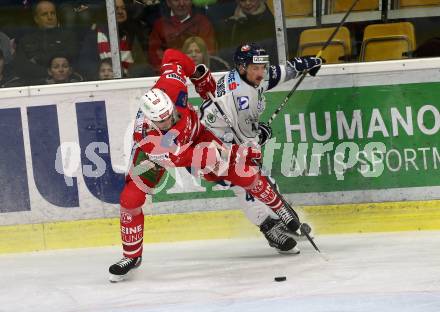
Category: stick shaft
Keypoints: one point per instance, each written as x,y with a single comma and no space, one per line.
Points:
303,75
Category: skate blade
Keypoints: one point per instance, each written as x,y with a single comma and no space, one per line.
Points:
113,278
116,278
293,251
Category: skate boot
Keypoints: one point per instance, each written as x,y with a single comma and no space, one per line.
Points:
273,231
289,218
299,234
119,270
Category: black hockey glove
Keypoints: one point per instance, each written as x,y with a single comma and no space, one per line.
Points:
264,133
310,63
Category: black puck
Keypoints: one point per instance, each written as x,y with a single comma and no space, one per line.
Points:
280,278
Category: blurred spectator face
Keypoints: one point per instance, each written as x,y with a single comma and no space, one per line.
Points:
60,69
105,71
46,15
254,73
249,6
121,12
180,8
195,53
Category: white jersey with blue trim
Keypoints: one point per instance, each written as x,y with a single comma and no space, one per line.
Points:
242,103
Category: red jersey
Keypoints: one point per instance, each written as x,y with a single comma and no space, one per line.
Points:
175,148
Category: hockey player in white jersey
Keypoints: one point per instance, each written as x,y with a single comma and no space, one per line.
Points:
240,95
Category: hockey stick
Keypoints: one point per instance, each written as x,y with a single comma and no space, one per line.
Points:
304,74
277,193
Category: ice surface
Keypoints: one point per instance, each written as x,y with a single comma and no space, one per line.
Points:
365,272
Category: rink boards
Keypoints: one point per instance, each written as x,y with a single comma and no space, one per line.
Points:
357,148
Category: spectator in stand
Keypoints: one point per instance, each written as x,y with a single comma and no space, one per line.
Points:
195,47
174,27
35,49
105,70
219,10
146,12
6,47
7,78
96,46
252,21
60,71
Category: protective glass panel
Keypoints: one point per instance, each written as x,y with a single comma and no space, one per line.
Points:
49,42
372,25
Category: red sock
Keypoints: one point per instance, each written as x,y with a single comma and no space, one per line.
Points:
132,234
265,193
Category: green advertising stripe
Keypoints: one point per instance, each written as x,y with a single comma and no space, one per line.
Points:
370,138
336,219
365,138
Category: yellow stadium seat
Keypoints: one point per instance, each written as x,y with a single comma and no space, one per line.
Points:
340,6
312,40
391,41
415,3
295,8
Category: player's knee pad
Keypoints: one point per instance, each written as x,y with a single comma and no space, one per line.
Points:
131,196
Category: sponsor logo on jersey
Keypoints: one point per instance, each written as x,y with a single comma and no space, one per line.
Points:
260,103
138,128
139,122
232,84
221,87
274,71
211,118
243,102
176,77
139,114
260,106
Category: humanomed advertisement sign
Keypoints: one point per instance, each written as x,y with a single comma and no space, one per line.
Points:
357,138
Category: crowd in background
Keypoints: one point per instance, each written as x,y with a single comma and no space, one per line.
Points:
50,41
58,41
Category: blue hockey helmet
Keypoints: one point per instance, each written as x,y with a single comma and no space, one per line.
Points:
250,53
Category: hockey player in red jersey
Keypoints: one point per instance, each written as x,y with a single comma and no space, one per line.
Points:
168,133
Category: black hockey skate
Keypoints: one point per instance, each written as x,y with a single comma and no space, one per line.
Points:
299,235
275,234
289,218
119,270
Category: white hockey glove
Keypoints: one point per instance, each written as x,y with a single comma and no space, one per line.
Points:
310,63
264,133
